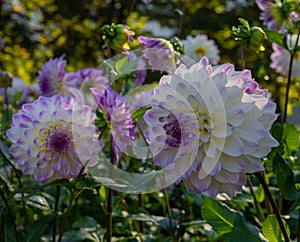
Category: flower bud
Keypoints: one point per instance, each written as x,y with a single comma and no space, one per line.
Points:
116,36
177,45
5,80
257,37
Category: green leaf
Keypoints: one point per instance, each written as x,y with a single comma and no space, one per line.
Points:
160,221
39,202
285,178
290,139
120,63
271,229
295,205
227,222
102,193
245,23
276,37
37,228
139,113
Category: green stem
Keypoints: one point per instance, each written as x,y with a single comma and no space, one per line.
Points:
169,214
3,229
109,203
243,62
109,215
133,2
274,205
135,223
257,206
284,118
298,235
62,229
141,205
20,185
55,212
10,214
181,19
182,213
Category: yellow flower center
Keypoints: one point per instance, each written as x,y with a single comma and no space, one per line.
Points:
200,51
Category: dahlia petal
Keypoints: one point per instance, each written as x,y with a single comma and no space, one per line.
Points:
251,130
227,177
233,145
232,164
222,129
252,164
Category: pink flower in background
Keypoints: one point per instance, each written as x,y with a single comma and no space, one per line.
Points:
53,138
141,71
2,43
210,126
277,15
81,83
281,58
159,53
200,46
116,113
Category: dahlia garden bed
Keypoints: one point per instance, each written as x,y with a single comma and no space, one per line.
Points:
149,120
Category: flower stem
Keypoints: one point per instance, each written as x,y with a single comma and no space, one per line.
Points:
136,225
181,19
55,211
169,214
3,229
243,62
133,2
109,215
11,216
109,203
274,205
141,205
257,206
298,235
20,185
62,229
284,118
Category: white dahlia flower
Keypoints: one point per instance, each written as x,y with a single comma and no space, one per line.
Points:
200,46
209,126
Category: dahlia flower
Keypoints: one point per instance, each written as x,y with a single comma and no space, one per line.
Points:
200,46
278,15
141,71
2,43
84,80
209,125
116,114
53,138
159,53
281,59
28,92
51,77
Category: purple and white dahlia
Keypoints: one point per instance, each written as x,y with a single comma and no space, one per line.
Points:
51,77
53,138
209,125
278,15
281,58
159,53
116,114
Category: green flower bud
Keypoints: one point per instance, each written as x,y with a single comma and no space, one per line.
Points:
5,80
116,36
177,45
257,37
